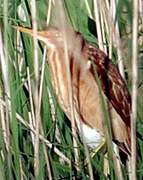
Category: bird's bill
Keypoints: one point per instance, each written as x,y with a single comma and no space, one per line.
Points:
40,35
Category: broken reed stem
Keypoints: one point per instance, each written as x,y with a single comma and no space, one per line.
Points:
36,89
69,86
134,87
98,24
103,25
5,76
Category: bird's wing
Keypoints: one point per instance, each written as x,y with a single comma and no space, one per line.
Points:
112,83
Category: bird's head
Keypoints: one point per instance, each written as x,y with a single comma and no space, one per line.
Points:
51,37
55,38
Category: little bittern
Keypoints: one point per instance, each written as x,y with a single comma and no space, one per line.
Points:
86,98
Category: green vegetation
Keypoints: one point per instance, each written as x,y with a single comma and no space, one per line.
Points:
35,135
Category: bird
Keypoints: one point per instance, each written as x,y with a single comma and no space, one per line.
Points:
82,57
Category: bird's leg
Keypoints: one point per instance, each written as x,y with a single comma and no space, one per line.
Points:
106,165
93,152
100,147
116,161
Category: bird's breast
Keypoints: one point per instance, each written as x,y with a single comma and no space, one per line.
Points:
90,136
84,93
58,68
